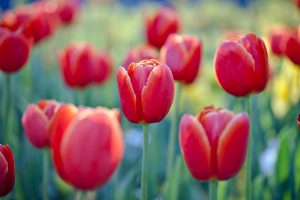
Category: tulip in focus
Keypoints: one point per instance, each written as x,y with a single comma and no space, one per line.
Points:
7,170
82,66
87,145
159,26
140,53
183,55
14,50
214,143
146,91
36,120
241,66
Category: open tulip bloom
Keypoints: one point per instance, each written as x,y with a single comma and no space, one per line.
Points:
7,170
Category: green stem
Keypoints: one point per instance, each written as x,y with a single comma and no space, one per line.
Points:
213,190
7,105
145,163
173,132
249,155
80,195
45,174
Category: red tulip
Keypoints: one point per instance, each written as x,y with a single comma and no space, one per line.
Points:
183,55
214,143
14,50
159,26
67,11
7,169
146,91
140,53
297,3
81,65
292,50
87,145
36,120
241,66
277,39
298,121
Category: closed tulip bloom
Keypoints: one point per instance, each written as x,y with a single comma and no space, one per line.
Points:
146,91
183,55
14,50
277,37
292,50
87,145
82,66
160,25
36,120
140,53
214,143
7,169
241,65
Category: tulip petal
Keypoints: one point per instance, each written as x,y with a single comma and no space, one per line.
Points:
9,179
57,127
158,94
3,169
232,147
234,68
195,147
35,124
127,95
92,149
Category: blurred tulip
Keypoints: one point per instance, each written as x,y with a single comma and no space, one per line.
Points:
298,120
292,50
159,26
297,3
7,169
241,66
36,120
67,11
146,91
14,50
277,37
183,55
81,66
140,53
214,143
98,134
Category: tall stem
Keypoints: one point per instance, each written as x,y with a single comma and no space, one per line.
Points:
173,132
7,105
145,163
213,190
249,154
45,174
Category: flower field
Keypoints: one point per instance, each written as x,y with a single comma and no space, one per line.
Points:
193,100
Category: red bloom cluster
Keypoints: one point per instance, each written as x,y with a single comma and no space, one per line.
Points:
39,20
160,25
86,143
214,143
7,169
241,65
81,65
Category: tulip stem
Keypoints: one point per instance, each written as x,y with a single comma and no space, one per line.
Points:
7,105
173,132
145,163
45,174
249,155
213,190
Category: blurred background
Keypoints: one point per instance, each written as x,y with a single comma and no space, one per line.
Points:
118,26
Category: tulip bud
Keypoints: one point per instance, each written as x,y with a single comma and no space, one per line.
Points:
138,54
7,169
98,134
146,91
159,26
67,11
241,66
14,50
214,143
183,55
36,120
